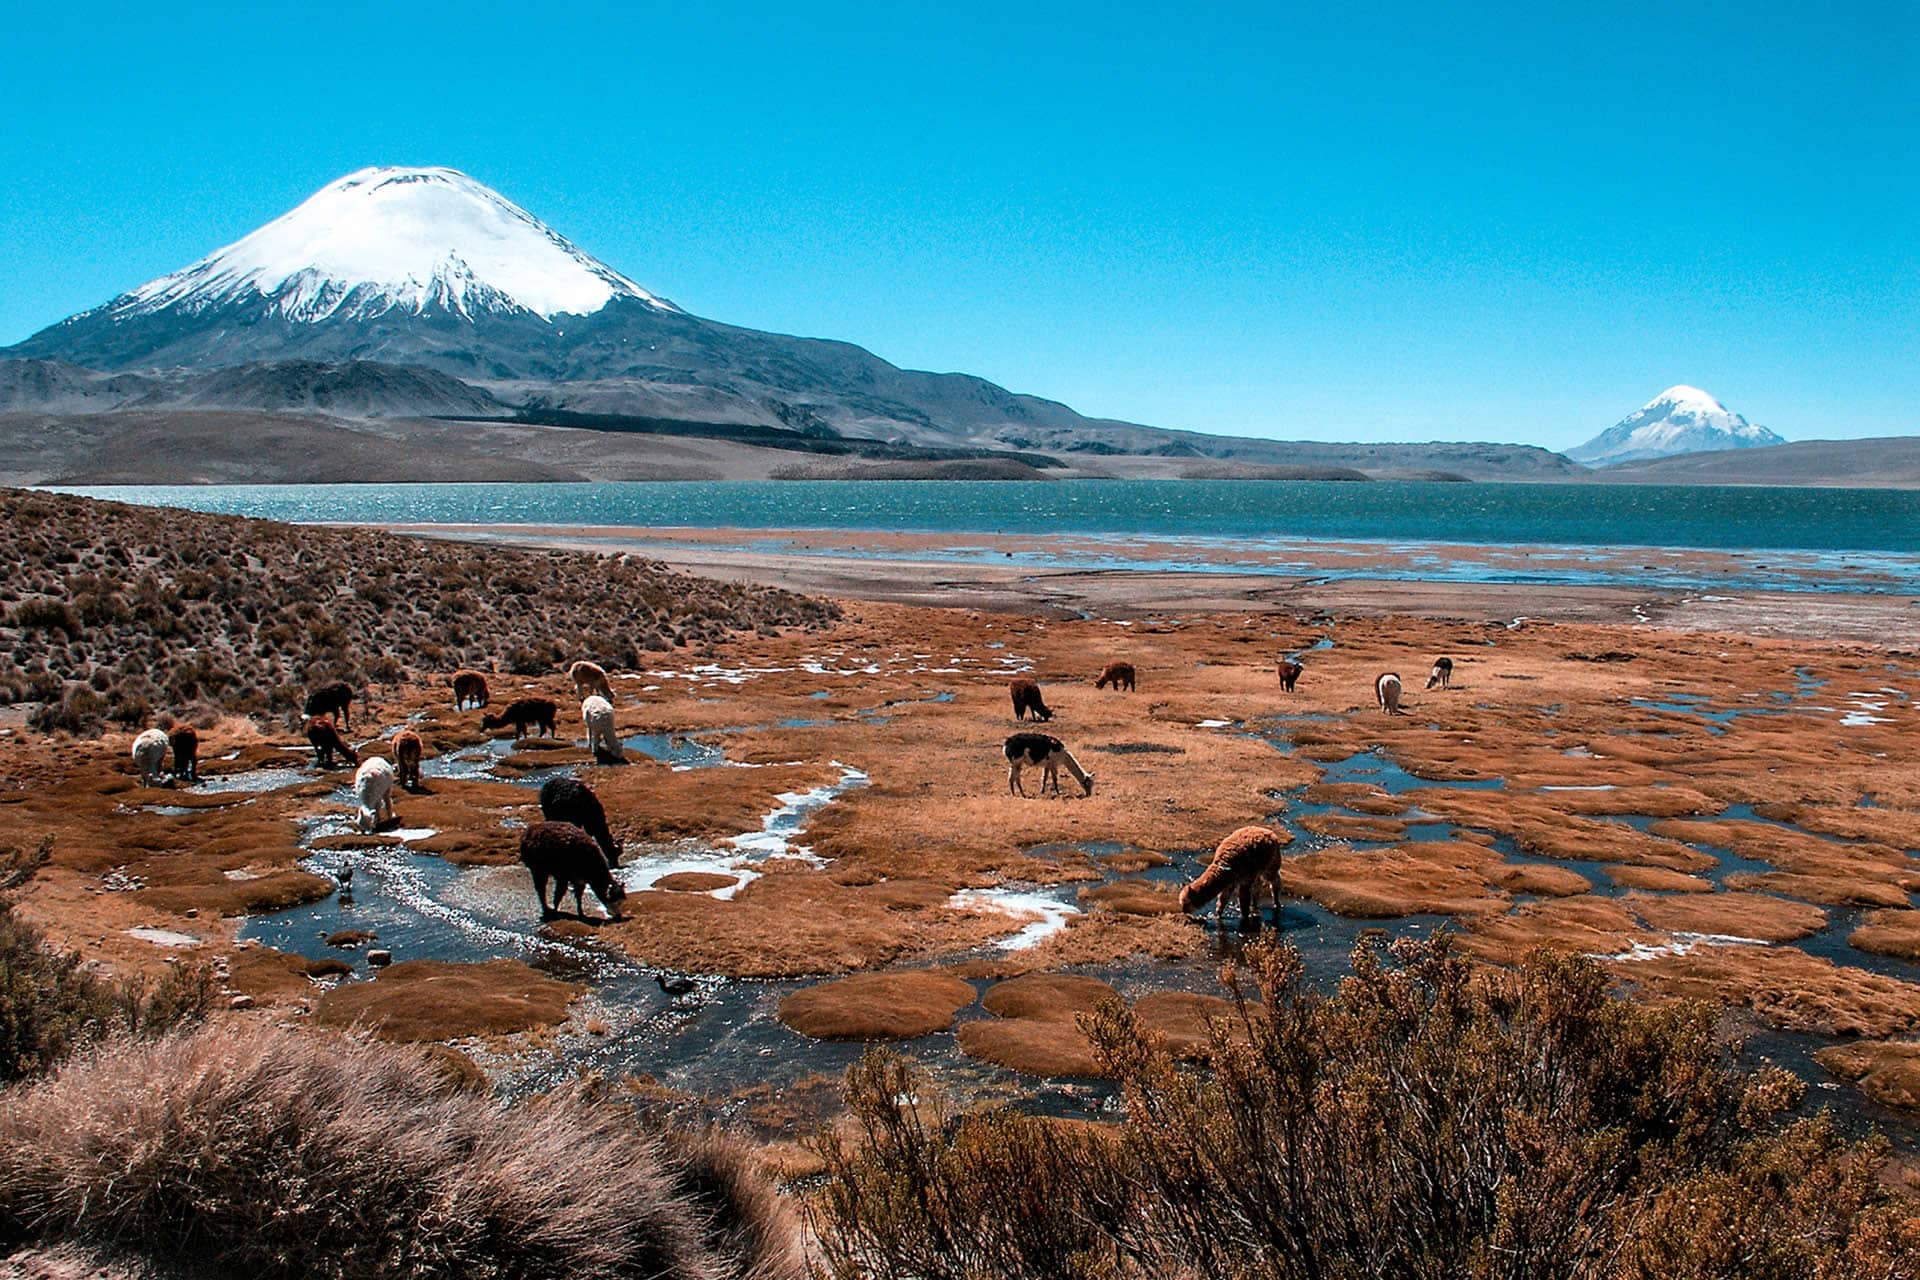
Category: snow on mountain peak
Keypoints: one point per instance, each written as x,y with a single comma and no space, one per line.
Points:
1681,419
405,239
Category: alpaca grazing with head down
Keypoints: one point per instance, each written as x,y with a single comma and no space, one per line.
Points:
150,756
373,793
407,750
1047,753
1386,691
601,739
589,677
334,700
327,742
563,855
185,742
523,713
469,690
571,800
1026,697
1247,861
1117,674
1289,672
1442,674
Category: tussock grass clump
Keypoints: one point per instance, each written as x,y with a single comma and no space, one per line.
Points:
1429,1119
274,1153
50,1005
112,610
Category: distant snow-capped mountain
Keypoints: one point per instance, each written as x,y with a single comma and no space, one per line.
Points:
1679,420
386,239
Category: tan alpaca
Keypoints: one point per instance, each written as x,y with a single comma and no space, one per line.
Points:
589,678
1245,860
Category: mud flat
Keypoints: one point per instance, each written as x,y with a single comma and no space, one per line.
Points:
821,849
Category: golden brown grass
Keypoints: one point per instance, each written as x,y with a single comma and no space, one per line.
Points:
269,1153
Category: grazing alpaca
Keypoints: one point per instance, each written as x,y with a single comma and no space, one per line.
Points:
563,854
1049,753
186,752
1026,697
469,688
1245,860
150,756
406,758
1386,690
1289,674
373,792
327,742
598,714
589,678
334,700
523,712
571,800
1442,674
1119,674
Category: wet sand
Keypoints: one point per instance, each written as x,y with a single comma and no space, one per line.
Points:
1853,602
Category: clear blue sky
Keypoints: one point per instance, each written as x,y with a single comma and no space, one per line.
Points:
1407,221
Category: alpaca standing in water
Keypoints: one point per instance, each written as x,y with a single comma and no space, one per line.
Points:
1247,860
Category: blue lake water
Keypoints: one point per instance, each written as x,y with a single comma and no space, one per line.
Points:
1870,535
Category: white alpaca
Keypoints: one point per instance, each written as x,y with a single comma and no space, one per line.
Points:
589,678
1049,753
150,756
598,713
373,790
1386,690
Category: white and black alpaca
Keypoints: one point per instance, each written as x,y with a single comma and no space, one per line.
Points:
1048,754
1386,691
1442,674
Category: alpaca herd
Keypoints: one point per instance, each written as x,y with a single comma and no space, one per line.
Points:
573,849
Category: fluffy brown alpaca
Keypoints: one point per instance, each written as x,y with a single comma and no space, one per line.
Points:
563,855
1289,673
1118,674
186,752
1245,860
523,712
335,700
1386,691
406,758
589,678
327,742
469,689
1026,697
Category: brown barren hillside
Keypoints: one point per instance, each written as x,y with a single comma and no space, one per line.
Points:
110,610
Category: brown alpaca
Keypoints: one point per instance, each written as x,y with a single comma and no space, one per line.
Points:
469,688
563,855
406,758
1026,697
1244,861
1118,674
327,742
186,752
589,678
524,712
1289,673
335,700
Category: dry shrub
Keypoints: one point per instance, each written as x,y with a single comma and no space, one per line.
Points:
274,1153
1429,1118
51,1006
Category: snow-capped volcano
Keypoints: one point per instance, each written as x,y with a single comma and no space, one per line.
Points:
412,241
1679,420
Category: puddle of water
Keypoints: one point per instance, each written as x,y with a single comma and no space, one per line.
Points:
677,750
777,830
1045,915
164,937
